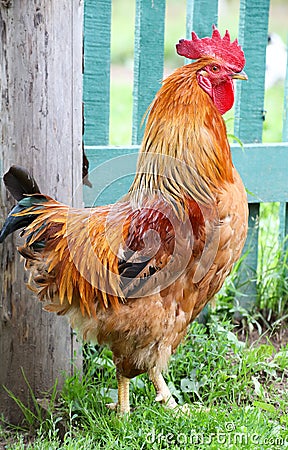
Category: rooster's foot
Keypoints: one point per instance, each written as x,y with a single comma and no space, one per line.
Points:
112,406
163,393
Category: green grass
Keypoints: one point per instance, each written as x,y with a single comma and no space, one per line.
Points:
234,391
272,269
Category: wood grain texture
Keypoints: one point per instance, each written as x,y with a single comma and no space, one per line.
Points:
41,121
148,59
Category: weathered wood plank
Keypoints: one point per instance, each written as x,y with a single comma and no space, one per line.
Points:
148,59
41,129
255,163
96,77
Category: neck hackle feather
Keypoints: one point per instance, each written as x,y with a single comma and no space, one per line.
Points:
185,152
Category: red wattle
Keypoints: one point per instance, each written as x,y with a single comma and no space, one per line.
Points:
223,96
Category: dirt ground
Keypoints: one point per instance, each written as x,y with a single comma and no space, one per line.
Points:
278,339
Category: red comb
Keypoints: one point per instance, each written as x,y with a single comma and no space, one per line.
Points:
222,48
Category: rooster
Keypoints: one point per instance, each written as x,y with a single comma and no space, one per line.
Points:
135,274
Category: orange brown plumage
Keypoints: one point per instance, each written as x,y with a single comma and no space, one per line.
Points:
133,275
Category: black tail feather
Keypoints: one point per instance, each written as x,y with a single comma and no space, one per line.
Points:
19,182
23,187
13,223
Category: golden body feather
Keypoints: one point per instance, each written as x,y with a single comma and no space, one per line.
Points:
135,274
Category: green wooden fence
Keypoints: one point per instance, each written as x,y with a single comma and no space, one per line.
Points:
263,168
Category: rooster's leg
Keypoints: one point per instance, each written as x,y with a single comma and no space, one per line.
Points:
123,405
163,394
123,394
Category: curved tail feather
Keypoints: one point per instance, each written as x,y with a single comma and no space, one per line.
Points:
19,182
25,190
15,221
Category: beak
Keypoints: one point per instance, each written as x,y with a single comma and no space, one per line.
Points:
239,76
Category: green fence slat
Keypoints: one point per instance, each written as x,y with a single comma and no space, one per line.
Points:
148,59
285,107
96,79
249,104
255,163
201,15
247,274
283,224
283,209
248,123
111,172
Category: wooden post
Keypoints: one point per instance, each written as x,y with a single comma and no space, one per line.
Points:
41,121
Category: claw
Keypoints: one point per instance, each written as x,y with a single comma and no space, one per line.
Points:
112,406
163,394
159,397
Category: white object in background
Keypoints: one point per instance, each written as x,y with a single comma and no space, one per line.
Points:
276,60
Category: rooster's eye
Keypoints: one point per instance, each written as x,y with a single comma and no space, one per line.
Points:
215,69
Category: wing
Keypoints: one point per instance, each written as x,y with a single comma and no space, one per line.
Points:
160,246
101,256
